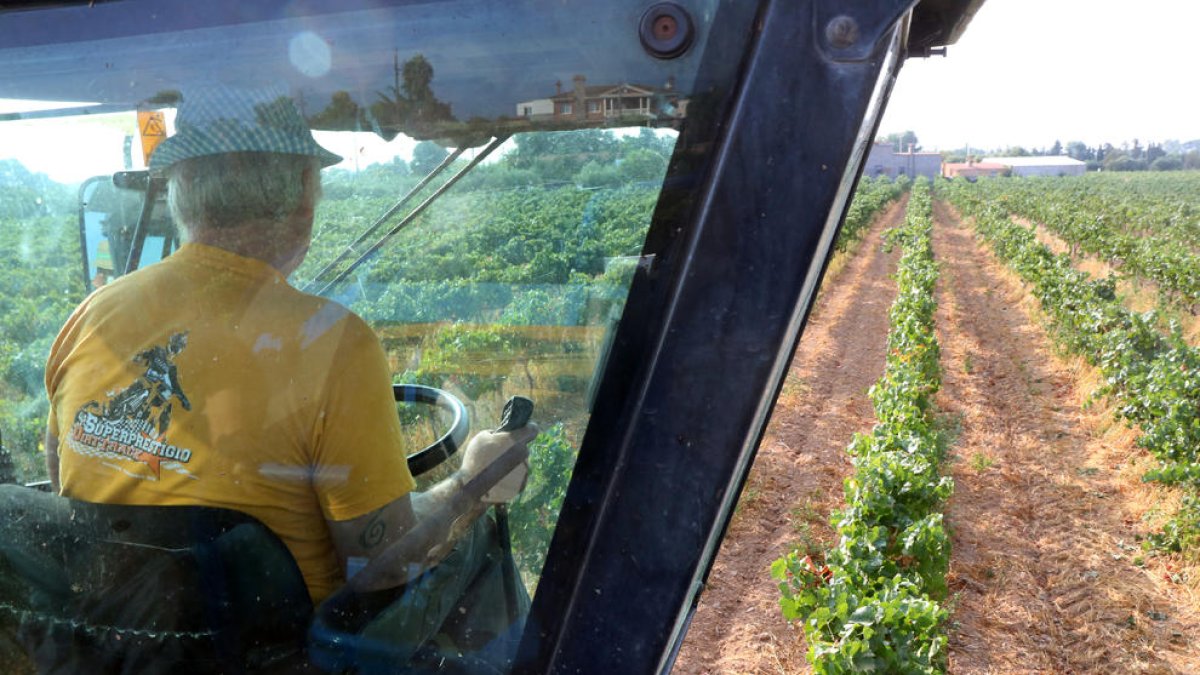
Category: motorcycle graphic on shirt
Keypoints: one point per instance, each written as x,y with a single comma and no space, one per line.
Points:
132,424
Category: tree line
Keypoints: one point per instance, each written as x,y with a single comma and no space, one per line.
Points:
1126,156
1170,155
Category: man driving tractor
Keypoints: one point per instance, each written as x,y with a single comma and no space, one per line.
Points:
206,379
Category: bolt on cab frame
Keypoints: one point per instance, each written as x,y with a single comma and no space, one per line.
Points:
761,113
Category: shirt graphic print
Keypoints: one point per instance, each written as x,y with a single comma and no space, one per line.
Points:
131,426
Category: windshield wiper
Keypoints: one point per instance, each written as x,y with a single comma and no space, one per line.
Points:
319,286
351,248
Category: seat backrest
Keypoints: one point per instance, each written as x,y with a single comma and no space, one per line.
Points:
104,588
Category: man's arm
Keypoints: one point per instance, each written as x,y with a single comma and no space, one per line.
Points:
359,539
417,531
51,444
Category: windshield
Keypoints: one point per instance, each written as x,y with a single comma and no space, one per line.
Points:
485,218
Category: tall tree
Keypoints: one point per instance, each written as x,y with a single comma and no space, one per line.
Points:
410,104
417,73
1153,152
647,139
342,113
1080,151
901,142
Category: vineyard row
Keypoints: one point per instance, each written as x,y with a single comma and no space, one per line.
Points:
1153,237
875,602
869,200
1152,377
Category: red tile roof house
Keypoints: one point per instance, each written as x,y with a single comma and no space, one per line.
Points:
606,101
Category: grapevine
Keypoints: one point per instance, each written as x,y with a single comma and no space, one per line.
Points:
875,602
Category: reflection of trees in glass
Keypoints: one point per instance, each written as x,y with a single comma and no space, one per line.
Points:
39,286
408,106
341,113
426,156
412,104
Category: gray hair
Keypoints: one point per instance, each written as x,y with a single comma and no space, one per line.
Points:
227,190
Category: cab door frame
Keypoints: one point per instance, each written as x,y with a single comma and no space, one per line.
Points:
732,265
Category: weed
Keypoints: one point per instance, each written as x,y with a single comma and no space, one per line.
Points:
981,462
947,427
808,543
750,494
807,512
794,387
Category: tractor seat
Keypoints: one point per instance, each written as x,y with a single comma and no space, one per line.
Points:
116,589
107,588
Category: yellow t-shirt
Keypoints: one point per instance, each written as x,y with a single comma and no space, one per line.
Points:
207,380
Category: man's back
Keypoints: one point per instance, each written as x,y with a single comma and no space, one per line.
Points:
206,379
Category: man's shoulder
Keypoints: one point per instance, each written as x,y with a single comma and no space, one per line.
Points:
121,291
272,302
322,317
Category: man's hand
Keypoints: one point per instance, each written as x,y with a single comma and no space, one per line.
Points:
447,508
486,447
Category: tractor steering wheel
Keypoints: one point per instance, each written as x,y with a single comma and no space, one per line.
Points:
448,443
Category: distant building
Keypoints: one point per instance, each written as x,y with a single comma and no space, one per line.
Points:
606,101
972,170
883,160
1041,166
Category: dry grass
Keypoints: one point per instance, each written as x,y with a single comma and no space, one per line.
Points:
1148,503
1049,573
841,258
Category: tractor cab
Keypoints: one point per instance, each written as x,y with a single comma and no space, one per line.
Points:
111,242
619,211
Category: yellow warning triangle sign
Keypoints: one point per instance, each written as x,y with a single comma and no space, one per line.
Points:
153,127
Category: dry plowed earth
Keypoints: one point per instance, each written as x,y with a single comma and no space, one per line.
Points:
1046,572
1045,568
797,477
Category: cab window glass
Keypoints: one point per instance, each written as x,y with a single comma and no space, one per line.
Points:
512,283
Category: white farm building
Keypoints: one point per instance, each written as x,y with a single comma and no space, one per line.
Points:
883,160
1041,166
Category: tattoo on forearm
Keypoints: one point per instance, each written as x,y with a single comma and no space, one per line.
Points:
373,533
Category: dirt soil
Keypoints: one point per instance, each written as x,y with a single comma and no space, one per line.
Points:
1047,575
797,477
1047,510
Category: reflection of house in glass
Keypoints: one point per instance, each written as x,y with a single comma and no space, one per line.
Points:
606,102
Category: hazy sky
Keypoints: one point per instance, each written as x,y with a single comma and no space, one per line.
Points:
1028,72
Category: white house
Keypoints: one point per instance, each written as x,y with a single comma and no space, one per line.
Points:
883,160
539,107
1041,166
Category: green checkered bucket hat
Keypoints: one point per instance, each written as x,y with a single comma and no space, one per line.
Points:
219,120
